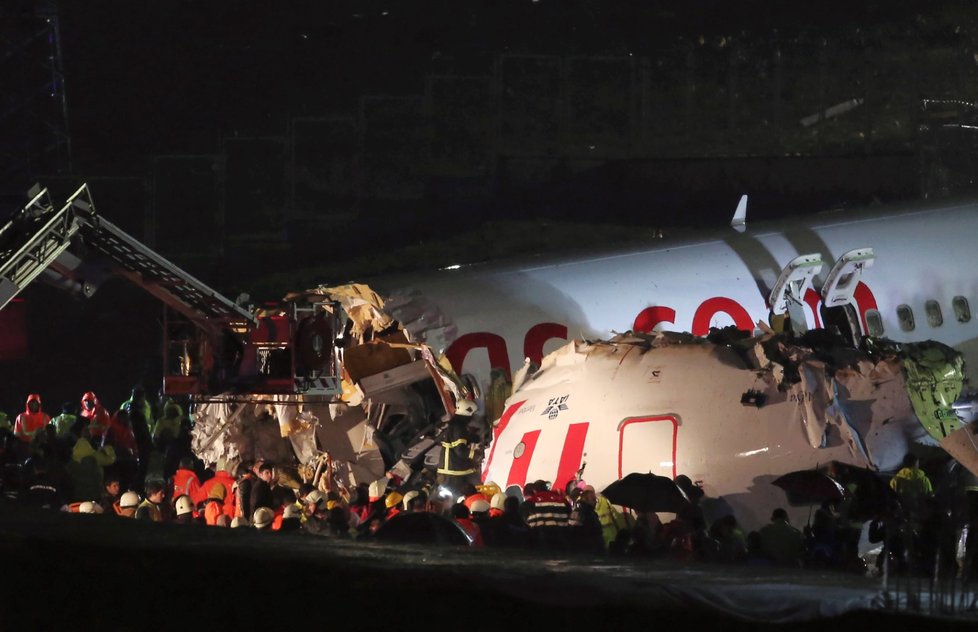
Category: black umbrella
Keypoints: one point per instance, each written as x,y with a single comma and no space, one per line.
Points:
806,487
647,492
422,528
871,494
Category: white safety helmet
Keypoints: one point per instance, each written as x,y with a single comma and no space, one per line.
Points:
239,521
129,500
263,518
184,505
466,407
479,506
315,497
377,489
87,507
498,501
408,497
291,512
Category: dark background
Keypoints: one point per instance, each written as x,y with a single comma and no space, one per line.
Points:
265,146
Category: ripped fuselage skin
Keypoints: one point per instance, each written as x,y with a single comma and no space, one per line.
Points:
724,415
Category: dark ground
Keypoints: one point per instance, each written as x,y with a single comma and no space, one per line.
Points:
96,572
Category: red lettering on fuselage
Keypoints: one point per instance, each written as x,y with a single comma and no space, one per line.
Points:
865,301
538,335
646,321
713,306
494,344
649,317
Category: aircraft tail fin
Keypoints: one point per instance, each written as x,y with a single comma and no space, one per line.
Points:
739,221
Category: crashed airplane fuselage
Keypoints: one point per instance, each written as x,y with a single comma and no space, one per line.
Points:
732,415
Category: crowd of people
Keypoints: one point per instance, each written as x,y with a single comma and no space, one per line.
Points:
132,464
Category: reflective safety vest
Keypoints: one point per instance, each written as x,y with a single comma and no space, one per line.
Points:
27,425
63,423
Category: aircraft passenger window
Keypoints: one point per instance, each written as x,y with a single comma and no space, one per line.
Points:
961,309
934,316
874,322
905,316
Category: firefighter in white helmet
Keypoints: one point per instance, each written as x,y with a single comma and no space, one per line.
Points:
459,444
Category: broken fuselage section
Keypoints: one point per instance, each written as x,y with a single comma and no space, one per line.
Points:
390,394
731,411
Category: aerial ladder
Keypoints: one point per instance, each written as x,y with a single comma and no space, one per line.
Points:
213,346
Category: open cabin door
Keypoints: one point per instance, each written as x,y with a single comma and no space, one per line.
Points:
839,311
787,296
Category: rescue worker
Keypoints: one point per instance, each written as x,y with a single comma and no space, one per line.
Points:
314,510
911,484
548,516
119,435
588,534
85,469
4,421
612,520
393,503
64,422
95,415
140,414
263,519
472,495
137,401
462,516
780,542
457,464
32,421
128,504
185,510
291,520
496,505
221,477
168,426
150,509
111,490
185,481
212,507
261,490
242,490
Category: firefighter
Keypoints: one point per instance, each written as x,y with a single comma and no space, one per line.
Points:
138,401
32,421
64,422
167,428
457,464
95,414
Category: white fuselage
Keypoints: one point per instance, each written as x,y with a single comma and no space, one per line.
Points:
495,315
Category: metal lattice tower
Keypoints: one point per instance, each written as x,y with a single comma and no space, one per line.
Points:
33,108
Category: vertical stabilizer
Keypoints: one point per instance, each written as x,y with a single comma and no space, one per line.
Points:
739,221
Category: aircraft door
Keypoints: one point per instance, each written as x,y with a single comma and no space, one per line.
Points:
838,310
648,444
787,296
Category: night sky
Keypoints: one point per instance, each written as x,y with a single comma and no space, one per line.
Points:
709,80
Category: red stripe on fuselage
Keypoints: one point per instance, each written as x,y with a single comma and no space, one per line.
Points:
570,456
498,432
521,465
